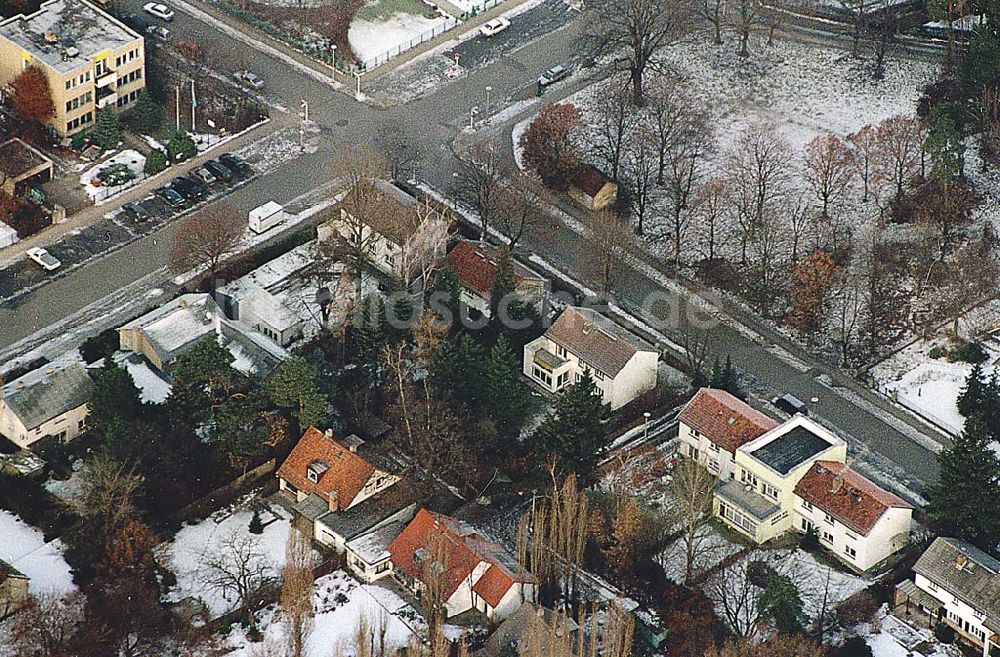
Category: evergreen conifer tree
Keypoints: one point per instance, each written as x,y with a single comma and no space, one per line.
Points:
575,432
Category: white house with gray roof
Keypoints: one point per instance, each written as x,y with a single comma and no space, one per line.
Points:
958,584
50,402
582,339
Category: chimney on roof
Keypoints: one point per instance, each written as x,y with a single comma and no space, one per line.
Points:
182,302
50,37
50,370
838,484
333,501
961,561
328,434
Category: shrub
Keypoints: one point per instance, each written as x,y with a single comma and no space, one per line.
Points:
256,526
970,352
810,540
181,147
155,162
944,633
107,132
146,116
856,646
936,352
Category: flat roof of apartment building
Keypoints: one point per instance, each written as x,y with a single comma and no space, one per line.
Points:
65,34
791,444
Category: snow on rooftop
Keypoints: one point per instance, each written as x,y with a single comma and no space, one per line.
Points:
153,389
24,548
179,327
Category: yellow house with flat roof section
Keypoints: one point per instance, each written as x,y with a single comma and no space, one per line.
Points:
92,61
759,500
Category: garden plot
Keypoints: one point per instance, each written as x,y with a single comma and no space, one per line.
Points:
24,548
929,386
185,555
341,604
119,169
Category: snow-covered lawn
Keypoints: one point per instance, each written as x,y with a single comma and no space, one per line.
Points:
340,603
712,549
370,39
185,554
24,547
134,160
927,385
67,489
893,637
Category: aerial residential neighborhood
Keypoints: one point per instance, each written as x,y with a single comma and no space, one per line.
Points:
505,328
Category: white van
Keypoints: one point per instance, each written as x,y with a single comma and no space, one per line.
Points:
266,217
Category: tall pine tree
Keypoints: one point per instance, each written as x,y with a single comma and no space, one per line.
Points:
970,400
506,399
575,432
293,386
966,497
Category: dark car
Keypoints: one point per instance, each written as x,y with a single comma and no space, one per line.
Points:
219,170
170,196
188,188
136,211
791,405
233,162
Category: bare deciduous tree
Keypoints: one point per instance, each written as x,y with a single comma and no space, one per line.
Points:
106,497
898,149
640,176
46,625
481,181
846,305
735,596
710,205
635,31
692,491
864,142
758,174
608,248
297,580
617,118
747,16
682,175
521,208
713,11
237,569
829,169
207,238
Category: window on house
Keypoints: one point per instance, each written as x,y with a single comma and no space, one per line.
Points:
715,448
749,478
382,567
737,518
828,518
851,552
542,376
311,475
931,587
713,464
561,379
807,505
769,490
828,537
560,351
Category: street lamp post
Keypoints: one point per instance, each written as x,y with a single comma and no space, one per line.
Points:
487,112
645,430
305,110
472,116
333,59
358,75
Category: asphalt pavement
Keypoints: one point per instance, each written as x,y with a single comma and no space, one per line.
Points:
433,120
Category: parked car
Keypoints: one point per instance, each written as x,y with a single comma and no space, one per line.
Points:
170,197
159,10
551,76
158,31
232,162
249,79
188,188
204,176
219,170
495,26
790,404
47,261
137,211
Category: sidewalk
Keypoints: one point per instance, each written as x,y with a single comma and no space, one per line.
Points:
95,213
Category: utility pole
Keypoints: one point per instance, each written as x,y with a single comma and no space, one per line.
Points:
194,104
177,107
305,110
333,60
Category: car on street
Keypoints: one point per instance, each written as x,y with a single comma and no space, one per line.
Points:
204,176
47,261
249,79
158,31
137,212
219,170
790,404
188,188
495,26
551,76
169,196
233,162
159,10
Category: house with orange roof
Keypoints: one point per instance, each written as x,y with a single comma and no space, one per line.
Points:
714,424
328,479
856,520
466,569
475,266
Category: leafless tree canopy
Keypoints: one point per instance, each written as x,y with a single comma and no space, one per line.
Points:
692,491
207,238
482,181
297,580
635,31
238,570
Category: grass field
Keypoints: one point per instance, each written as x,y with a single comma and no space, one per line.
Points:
380,10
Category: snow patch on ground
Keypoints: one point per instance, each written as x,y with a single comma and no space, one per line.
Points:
186,553
370,39
154,389
67,489
134,160
712,548
24,548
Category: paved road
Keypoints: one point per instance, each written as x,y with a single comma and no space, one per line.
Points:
433,121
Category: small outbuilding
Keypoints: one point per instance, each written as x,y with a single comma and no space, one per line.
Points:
22,166
592,189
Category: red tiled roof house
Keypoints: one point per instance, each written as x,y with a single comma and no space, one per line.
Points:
475,265
592,189
856,520
328,479
581,339
469,570
714,424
